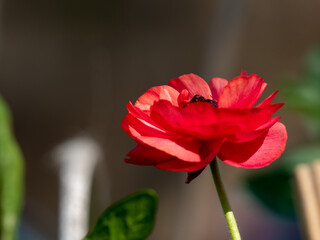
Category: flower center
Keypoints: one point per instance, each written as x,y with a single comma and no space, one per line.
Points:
199,98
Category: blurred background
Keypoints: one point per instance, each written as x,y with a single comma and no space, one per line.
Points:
69,68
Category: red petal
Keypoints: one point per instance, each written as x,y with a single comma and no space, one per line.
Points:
140,121
186,149
251,135
209,150
192,175
145,131
147,156
137,112
193,83
217,85
256,153
156,93
268,100
183,99
142,127
178,165
242,92
243,73
202,121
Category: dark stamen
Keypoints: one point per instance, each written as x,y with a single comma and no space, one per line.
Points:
199,98
213,103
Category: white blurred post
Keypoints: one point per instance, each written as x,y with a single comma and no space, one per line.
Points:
77,160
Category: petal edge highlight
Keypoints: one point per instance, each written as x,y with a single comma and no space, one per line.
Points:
242,92
257,153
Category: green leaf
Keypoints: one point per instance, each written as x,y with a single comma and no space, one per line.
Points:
304,98
131,218
312,63
274,187
274,190
303,154
11,177
303,92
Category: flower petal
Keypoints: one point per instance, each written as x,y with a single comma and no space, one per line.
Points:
243,73
209,150
258,152
205,122
156,93
242,92
194,174
251,135
193,83
268,100
184,98
186,149
140,121
144,128
217,85
146,156
144,132
178,165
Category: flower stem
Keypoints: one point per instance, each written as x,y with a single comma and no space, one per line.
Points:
231,221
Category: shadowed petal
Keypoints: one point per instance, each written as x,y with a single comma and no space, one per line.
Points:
182,147
209,150
194,174
137,112
204,122
243,73
184,98
216,86
268,100
146,156
185,148
178,165
144,128
193,83
242,92
251,135
258,152
156,93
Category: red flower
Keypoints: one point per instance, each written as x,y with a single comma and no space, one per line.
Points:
182,126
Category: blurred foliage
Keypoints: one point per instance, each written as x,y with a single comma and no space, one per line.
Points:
11,177
274,187
273,190
131,218
302,93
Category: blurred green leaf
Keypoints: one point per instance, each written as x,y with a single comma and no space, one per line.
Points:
312,63
131,218
11,176
303,154
305,98
274,188
302,93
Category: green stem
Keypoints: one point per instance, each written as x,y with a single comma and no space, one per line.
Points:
231,221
